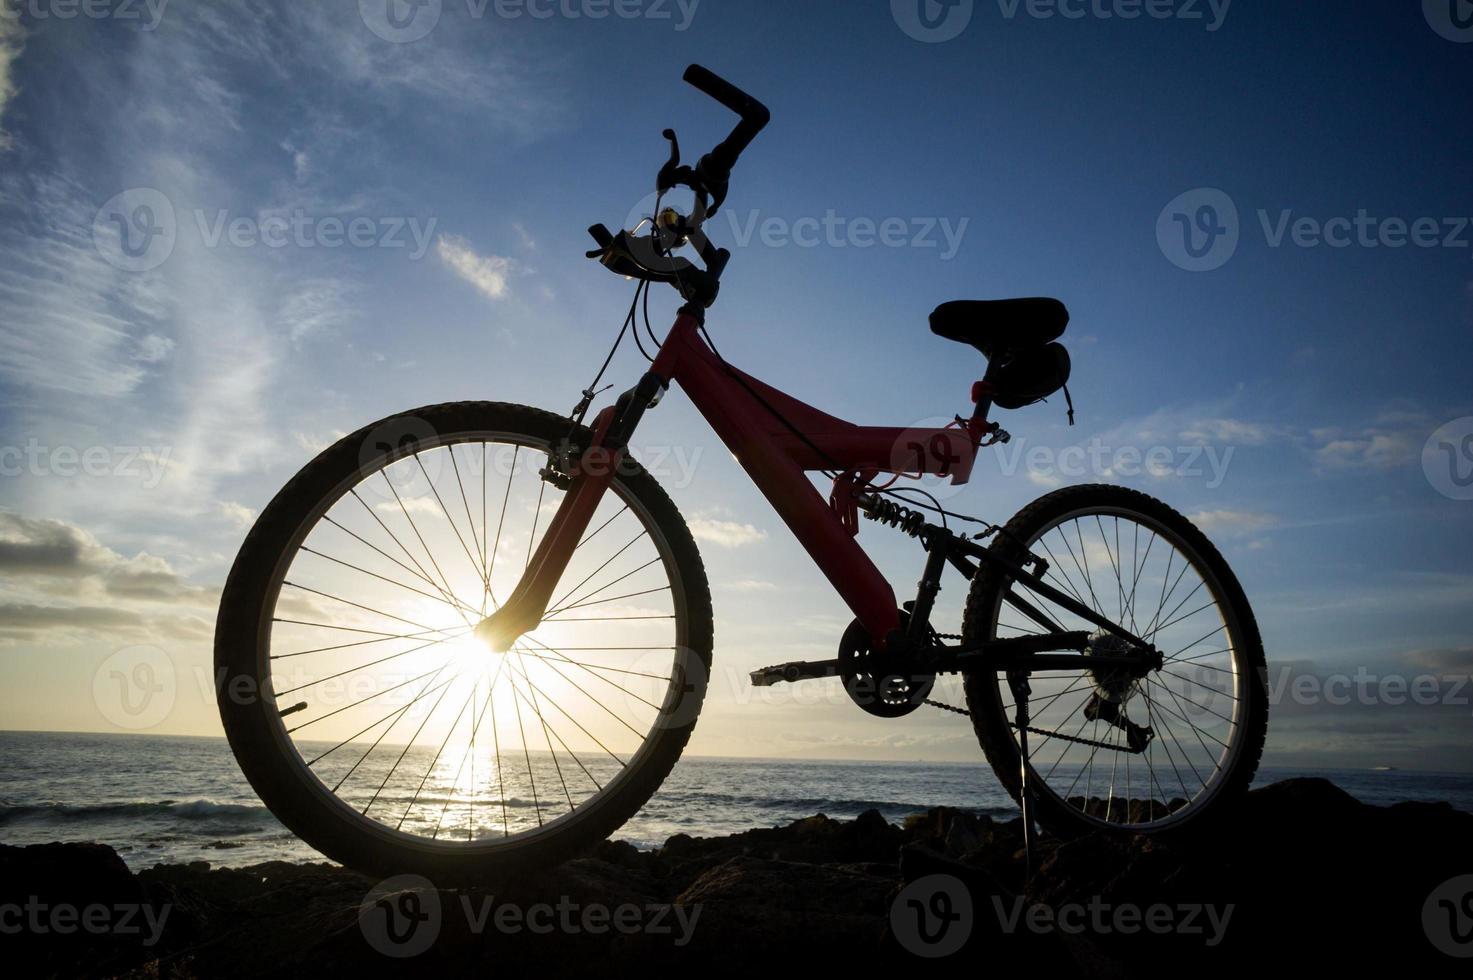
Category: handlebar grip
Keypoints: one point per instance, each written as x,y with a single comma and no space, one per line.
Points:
728,95
754,114
601,235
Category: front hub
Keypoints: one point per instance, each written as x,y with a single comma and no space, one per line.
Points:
499,631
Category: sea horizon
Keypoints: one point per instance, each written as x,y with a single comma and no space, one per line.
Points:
84,786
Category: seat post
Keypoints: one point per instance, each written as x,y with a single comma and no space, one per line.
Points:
982,397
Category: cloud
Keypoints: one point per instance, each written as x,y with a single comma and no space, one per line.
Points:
1450,661
488,273
1230,521
751,585
63,586
59,625
240,516
50,556
12,37
725,534
1393,440
1225,431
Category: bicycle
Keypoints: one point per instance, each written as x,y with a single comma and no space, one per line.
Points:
572,666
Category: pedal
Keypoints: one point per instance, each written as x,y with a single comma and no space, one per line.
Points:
798,670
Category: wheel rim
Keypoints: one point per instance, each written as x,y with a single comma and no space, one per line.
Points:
1138,572
397,719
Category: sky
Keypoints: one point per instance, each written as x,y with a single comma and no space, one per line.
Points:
1296,365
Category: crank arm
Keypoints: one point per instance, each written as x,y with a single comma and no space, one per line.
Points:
798,670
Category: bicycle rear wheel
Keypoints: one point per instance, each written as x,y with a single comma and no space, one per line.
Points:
386,735
1140,564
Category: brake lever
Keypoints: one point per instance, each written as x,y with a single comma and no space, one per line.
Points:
667,177
715,183
635,258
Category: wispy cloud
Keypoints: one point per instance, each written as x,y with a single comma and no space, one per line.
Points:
1230,521
1228,432
69,321
315,305
488,273
725,534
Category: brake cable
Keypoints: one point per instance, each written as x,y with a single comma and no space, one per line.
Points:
580,411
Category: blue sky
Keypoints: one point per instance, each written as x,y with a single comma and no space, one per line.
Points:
1047,147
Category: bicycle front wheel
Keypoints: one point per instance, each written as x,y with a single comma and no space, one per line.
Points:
372,721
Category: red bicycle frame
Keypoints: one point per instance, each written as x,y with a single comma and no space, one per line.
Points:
774,455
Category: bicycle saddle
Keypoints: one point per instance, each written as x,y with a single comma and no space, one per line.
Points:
1000,326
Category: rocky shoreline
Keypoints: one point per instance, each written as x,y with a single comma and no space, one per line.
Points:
1302,876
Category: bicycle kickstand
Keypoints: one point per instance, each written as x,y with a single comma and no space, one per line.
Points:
1021,691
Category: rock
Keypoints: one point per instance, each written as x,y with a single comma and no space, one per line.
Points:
73,909
1300,876
785,904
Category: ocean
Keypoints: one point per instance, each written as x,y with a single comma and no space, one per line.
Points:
173,800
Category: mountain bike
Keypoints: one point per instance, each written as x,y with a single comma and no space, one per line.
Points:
475,637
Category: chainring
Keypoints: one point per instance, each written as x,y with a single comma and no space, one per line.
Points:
883,685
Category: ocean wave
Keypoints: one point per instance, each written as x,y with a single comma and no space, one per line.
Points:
810,804
184,810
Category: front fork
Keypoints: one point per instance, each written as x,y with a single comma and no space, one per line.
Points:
586,476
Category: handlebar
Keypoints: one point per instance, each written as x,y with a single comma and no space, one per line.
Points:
718,163
650,257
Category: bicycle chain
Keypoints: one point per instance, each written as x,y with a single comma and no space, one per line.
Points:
1092,743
